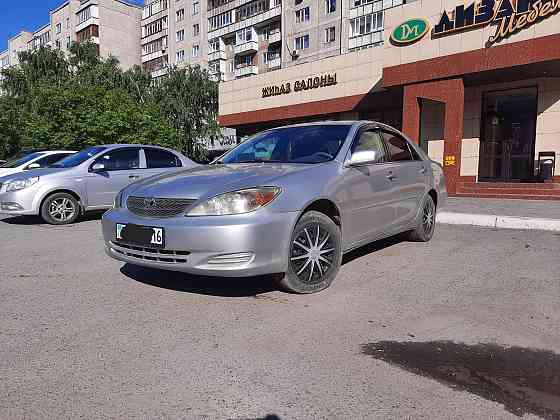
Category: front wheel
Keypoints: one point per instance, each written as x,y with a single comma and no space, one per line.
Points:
60,209
315,254
425,230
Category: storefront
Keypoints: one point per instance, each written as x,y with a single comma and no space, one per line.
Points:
478,87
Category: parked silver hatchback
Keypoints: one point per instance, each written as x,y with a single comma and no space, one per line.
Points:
88,180
289,201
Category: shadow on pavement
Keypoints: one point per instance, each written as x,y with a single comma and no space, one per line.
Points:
212,286
372,247
36,220
525,381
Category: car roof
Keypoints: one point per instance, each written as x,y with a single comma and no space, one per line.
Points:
343,122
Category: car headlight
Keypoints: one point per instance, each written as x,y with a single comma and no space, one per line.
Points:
236,202
20,184
117,202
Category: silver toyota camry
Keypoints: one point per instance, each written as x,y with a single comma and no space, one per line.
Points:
289,202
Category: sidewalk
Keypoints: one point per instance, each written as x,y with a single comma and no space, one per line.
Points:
506,214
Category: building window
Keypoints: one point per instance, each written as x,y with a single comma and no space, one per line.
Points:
380,4
297,2
67,23
244,35
196,29
180,35
58,28
302,15
301,42
366,24
68,41
220,21
330,6
180,56
84,15
214,45
57,43
154,27
153,8
155,46
330,34
88,33
195,50
195,7
251,9
180,15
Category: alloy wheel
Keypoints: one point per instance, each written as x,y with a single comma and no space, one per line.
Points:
62,209
428,218
312,254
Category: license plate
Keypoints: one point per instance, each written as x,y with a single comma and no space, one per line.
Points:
147,236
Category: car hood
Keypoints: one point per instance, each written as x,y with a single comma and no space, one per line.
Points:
8,171
207,181
29,174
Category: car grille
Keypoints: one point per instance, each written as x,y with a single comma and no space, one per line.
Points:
157,207
151,254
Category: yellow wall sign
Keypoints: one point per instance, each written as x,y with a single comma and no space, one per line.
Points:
450,160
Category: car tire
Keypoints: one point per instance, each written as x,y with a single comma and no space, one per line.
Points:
425,229
315,254
60,209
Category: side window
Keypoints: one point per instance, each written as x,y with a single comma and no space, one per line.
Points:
398,147
157,158
371,141
120,159
49,160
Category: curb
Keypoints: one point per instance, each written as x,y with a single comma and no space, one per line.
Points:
498,222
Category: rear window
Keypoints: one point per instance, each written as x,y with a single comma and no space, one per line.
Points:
158,158
398,147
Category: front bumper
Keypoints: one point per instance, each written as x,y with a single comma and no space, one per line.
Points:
229,246
19,203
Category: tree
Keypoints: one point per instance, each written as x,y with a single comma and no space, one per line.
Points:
53,101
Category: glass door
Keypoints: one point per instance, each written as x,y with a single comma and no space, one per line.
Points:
507,143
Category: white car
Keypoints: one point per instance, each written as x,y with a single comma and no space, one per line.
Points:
34,160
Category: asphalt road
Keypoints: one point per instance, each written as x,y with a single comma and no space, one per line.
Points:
83,336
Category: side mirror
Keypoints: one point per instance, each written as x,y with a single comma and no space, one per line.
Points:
33,166
98,167
366,157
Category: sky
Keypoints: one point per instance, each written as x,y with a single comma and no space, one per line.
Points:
26,14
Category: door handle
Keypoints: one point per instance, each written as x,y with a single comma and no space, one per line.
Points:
133,177
391,176
423,170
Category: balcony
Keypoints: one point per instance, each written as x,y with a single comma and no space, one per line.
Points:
246,47
217,55
274,37
274,63
159,73
245,71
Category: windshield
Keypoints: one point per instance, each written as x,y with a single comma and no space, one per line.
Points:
303,144
18,162
78,158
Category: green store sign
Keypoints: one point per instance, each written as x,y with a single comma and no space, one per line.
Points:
410,31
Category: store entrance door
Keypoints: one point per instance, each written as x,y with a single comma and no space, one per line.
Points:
507,145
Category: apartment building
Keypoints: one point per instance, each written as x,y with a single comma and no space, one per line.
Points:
173,33
113,25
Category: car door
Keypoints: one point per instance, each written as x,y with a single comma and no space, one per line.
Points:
121,166
408,176
366,193
160,161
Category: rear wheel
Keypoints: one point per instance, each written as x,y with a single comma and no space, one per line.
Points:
315,254
425,230
60,209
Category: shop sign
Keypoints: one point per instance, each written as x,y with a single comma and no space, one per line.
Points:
509,17
449,160
410,31
299,85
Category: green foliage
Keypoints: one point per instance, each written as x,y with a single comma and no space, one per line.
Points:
58,102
